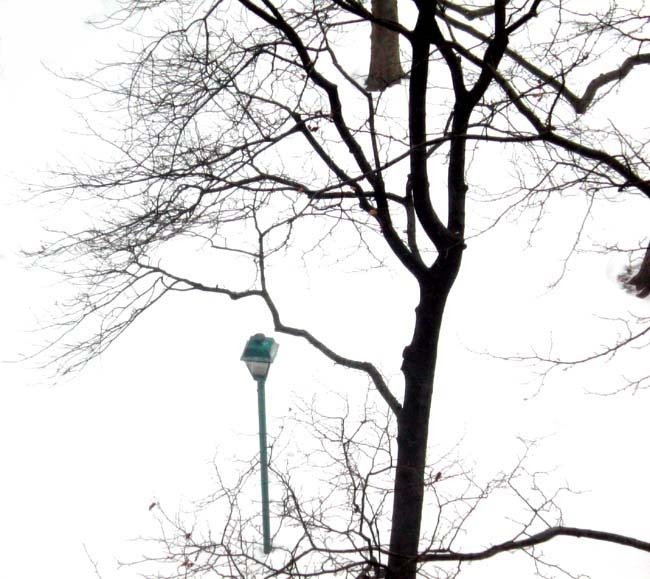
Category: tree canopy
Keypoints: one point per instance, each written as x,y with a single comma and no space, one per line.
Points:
257,132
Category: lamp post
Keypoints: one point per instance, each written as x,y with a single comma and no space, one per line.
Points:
258,355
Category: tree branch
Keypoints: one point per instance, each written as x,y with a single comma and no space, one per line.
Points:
536,539
366,367
424,30
580,104
548,135
469,13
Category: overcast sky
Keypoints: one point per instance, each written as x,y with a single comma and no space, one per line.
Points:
82,460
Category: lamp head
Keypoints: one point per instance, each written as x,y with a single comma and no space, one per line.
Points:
258,355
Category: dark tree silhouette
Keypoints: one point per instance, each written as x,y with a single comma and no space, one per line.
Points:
639,280
250,132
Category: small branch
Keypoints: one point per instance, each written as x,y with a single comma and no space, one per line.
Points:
93,562
357,8
492,56
608,352
582,104
193,285
469,13
411,224
366,367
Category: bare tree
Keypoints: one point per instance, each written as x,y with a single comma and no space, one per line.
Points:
250,138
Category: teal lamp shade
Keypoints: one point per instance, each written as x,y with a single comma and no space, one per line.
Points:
258,355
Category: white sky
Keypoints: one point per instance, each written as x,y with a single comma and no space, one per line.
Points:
81,461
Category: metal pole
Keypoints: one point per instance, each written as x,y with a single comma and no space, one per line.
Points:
261,408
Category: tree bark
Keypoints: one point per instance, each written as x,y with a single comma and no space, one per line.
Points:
418,367
385,66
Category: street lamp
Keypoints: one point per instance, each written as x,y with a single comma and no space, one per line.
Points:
258,355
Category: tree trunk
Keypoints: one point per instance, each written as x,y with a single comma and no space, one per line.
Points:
418,367
385,67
